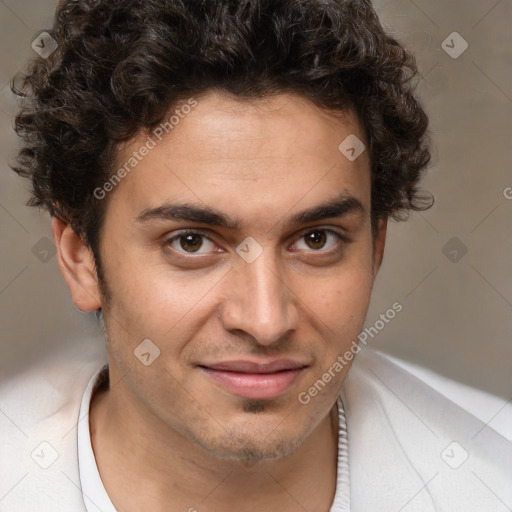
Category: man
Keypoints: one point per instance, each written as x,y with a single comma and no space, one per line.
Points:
220,175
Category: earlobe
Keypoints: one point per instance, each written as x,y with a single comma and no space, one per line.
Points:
379,244
76,263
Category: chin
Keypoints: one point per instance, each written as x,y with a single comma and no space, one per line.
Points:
249,448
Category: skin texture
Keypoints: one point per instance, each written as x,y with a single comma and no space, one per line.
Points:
166,436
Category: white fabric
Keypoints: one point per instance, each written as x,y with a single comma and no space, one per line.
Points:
408,446
96,498
401,436
492,410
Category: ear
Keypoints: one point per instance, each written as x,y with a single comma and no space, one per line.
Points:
378,245
76,264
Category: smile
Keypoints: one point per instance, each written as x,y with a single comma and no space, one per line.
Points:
252,380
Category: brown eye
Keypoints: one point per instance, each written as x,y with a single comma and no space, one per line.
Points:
316,239
320,240
191,242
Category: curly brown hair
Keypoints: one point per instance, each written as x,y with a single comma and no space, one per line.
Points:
121,66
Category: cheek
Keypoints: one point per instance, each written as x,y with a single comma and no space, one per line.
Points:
152,300
340,300
342,303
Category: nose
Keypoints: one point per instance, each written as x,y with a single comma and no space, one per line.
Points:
259,302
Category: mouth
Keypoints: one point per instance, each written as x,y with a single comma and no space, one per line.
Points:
254,380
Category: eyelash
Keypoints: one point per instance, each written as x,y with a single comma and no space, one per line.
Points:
343,239
340,239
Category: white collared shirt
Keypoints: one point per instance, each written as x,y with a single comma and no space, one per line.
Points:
96,498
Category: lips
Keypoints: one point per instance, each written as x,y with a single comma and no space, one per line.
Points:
252,367
256,380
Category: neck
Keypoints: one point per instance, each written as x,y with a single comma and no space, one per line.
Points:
146,465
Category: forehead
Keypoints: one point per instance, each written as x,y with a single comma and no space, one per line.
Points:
249,154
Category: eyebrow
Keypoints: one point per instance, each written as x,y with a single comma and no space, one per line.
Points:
338,207
200,215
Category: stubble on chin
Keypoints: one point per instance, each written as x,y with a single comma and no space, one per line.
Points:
255,406
241,447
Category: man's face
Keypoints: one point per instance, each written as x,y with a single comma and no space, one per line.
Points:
243,324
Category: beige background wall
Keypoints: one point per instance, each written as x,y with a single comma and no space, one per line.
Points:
457,305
